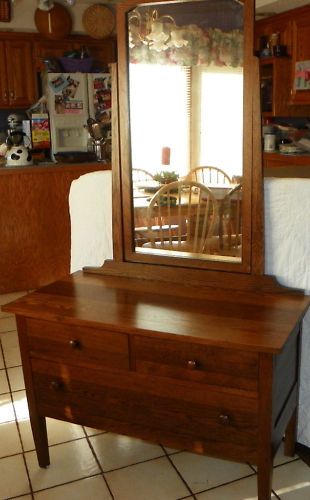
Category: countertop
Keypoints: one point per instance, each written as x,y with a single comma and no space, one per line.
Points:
277,164
53,166
287,159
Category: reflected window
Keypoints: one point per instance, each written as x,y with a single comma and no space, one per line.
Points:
160,117
177,122
218,138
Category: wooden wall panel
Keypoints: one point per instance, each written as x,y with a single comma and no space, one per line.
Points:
35,240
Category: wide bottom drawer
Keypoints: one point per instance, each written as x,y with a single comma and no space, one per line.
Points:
217,423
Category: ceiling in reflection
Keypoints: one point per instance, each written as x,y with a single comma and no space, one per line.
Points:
222,14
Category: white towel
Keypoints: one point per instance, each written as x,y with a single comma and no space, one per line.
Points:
287,256
90,204
287,231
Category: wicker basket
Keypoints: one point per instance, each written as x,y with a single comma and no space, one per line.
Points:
71,65
98,21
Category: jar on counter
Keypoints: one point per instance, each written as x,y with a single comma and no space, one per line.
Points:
269,143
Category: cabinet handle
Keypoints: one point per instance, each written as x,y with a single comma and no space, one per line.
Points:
75,344
56,385
192,364
12,95
6,95
224,419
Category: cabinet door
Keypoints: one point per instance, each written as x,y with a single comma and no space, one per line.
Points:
103,52
275,86
21,81
274,24
4,94
50,50
301,52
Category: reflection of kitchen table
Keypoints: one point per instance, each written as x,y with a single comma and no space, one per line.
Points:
142,199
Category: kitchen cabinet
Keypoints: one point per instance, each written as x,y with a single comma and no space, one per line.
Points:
103,51
22,59
18,86
280,24
301,52
275,86
35,225
278,73
50,49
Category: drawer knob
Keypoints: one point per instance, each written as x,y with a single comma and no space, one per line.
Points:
192,364
224,419
75,344
56,385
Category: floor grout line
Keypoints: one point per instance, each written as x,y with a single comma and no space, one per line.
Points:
98,463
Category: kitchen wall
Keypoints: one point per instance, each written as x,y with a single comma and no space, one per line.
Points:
23,14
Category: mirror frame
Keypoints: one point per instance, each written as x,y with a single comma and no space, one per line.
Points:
123,239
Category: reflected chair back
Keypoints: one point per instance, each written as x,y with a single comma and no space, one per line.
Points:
185,214
211,176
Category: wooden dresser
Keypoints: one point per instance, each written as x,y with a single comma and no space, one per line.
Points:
193,351
208,370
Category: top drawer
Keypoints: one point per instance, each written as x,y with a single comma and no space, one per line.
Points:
195,362
77,345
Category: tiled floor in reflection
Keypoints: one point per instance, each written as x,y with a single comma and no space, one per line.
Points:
87,464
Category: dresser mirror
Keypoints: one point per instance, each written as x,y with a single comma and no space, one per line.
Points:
185,89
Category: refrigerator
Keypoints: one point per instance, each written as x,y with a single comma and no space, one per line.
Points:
71,99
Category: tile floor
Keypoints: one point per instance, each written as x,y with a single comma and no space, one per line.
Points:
95,465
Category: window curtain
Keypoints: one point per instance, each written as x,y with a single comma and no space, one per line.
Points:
210,46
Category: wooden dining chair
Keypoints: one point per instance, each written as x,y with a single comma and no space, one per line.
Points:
140,175
210,176
185,213
230,223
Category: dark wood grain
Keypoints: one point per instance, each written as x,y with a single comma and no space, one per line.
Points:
251,321
117,228
35,231
80,346
281,160
188,366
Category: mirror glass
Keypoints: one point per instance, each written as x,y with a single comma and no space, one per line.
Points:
186,88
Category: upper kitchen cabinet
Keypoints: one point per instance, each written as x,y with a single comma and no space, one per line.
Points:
275,86
279,24
300,59
102,51
22,58
282,81
50,49
18,88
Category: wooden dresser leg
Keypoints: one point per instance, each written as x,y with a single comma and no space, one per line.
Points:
264,480
290,436
38,425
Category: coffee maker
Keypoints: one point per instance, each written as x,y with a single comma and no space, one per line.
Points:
18,144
